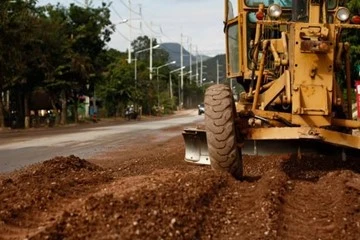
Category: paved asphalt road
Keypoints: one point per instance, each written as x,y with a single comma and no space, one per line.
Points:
17,152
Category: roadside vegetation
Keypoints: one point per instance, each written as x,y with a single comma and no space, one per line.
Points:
54,56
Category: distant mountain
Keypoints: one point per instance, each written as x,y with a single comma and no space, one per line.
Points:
174,54
212,66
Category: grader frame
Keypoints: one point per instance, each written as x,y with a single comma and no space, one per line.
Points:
288,58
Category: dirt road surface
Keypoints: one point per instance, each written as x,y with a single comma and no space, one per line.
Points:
146,191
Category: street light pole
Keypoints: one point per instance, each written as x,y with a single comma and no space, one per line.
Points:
157,79
202,66
140,51
135,69
201,70
190,57
197,67
217,71
170,81
135,64
150,60
129,53
181,91
181,73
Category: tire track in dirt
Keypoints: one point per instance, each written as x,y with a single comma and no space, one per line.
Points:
255,207
327,208
321,198
317,197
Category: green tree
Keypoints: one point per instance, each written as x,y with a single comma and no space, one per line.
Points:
18,21
354,6
147,90
52,47
22,61
86,32
354,38
118,87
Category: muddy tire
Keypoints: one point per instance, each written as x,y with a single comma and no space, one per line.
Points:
221,132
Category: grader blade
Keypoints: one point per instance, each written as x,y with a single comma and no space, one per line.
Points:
196,150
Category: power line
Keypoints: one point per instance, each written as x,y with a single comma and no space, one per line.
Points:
122,35
150,29
143,22
116,12
122,2
127,23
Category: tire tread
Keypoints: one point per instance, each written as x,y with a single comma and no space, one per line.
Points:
220,130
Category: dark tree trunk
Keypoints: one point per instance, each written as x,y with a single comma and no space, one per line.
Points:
26,111
20,112
76,114
2,119
63,108
56,112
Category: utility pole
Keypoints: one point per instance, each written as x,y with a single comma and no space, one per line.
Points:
94,116
190,56
217,71
141,19
151,58
170,81
129,51
201,70
197,66
181,94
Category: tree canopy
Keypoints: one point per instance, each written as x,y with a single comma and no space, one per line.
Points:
62,51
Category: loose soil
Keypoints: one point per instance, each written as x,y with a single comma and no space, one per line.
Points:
147,191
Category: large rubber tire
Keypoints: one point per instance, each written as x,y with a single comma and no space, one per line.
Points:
221,133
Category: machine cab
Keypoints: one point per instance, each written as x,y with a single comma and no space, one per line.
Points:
290,54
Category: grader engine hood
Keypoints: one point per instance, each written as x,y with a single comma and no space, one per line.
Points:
314,39
312,65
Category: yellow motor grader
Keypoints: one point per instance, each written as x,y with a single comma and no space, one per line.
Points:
293,61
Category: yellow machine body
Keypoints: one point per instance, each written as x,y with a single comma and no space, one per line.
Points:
293,62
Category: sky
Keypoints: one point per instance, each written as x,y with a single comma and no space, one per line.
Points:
199,21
